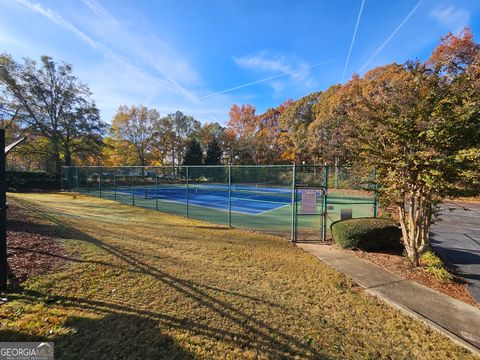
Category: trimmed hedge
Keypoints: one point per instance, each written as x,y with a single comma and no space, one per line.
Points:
31,181
366,233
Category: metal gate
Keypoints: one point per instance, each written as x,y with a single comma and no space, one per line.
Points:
326,194
310,213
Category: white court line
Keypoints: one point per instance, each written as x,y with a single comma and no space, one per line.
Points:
196,203
266,211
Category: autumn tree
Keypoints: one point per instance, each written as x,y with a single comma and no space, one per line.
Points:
268,142
21,157
174,130
53,104
243,123
33,155
115,152
295,121
414,123
229,145
136,127
327,134
457,58
209,131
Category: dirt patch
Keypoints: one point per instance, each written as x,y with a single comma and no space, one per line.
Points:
33,246
396,262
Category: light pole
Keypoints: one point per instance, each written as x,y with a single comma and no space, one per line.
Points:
3,215
3,208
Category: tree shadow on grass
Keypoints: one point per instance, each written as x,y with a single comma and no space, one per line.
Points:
257,334
114,336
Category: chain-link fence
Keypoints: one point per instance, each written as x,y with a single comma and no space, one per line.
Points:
271,199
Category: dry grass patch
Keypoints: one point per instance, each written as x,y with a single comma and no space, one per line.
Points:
146,284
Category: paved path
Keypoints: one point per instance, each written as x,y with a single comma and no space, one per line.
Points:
455,236
457,320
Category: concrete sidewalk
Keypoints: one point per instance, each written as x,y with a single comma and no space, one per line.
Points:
457,320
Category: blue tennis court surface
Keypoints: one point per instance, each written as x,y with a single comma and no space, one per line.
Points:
244,199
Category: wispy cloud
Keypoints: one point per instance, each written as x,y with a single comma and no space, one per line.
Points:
154,52
295,70
353,39
60,21
146,47
451,17
266,62
172,84
397,29
97,8
276,85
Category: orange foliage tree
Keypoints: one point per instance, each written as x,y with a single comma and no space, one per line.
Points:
243,123
414,124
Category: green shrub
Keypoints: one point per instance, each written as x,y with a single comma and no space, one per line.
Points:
434,265
30,181
366,233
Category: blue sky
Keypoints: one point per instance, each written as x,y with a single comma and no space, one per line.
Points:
202,56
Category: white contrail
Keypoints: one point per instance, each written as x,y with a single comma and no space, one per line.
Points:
391,36
265,79
353,39
62,22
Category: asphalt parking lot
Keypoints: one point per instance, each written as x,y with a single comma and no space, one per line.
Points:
455,236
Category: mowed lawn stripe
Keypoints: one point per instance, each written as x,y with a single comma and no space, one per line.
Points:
145,284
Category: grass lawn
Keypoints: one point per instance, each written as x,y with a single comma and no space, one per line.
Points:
143,284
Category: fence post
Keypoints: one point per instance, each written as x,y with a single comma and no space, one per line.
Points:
144,184
375,195
293,237
156,190
100,182
77,185
86,180
133,188
186,195
336,172
114,184
325,206
229,195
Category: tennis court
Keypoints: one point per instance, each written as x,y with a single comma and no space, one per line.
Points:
242,199
262,198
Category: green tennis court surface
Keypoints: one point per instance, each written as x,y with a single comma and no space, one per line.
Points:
260,198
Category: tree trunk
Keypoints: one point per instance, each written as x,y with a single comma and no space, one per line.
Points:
56,155
173,163
415,219
68,157
58,165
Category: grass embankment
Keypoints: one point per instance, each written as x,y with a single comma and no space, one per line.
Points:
144,284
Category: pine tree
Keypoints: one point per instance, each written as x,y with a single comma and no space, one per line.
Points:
214,153
194,154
